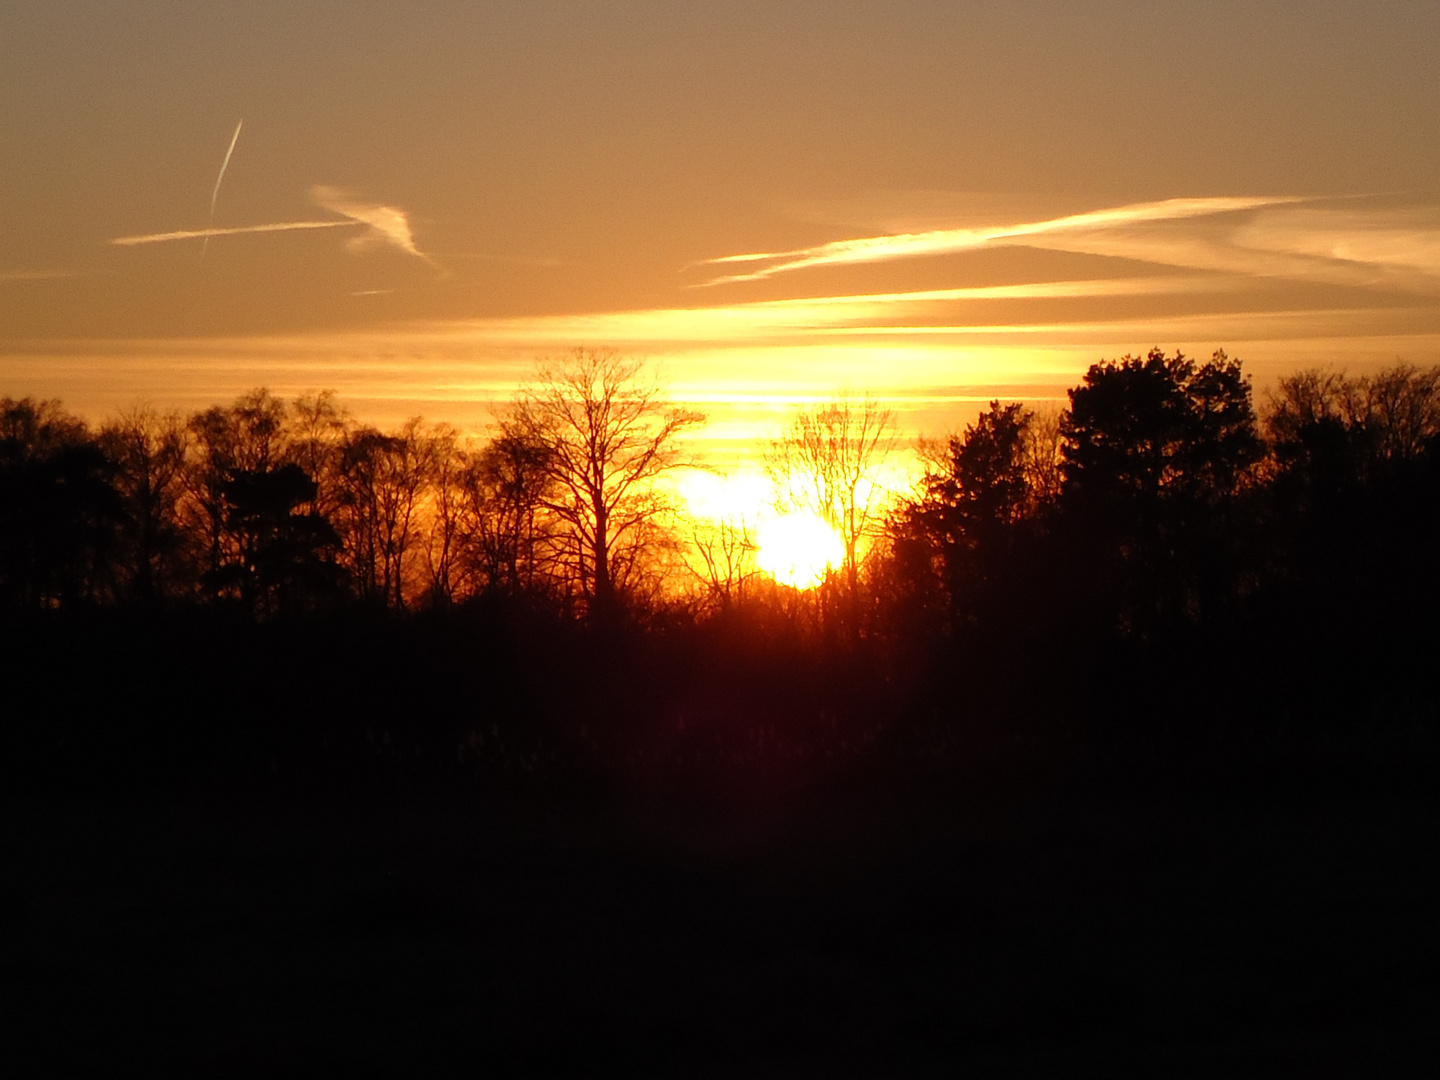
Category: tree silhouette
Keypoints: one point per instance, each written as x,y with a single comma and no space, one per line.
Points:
382,480
604,434
59,512
722,559
149,452
1337,431
316,430
1352,504
966,549
987,483
285,555
443,521
510,533
246,436
972,504
1139,431
1154,450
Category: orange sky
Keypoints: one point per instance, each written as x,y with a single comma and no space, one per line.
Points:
935,202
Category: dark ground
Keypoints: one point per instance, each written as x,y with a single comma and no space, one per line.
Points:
855,929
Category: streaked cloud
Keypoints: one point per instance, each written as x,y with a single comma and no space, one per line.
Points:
771,319
947,241
935,377
1380,247
1280,282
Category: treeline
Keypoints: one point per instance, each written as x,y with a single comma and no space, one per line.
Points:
1160,560
271,507
1159,553
279,509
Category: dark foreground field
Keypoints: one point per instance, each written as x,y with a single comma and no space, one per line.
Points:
860,927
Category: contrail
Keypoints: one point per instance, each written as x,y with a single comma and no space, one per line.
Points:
382,225
190,234
216,193
223,166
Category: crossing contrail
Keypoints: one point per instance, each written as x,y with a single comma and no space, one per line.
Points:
223,166
382,225
216,193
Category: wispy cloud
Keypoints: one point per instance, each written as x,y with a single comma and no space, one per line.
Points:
386,225
1393,241
1374,249
946,241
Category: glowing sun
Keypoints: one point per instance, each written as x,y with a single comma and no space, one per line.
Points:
796,549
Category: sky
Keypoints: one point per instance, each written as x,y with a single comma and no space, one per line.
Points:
773,202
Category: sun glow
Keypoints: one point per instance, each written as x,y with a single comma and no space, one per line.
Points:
797,549
735,498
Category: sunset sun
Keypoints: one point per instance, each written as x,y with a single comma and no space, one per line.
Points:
797,549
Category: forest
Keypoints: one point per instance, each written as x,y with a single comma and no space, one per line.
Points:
293,597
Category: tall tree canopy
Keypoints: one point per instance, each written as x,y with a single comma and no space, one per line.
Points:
1160,428
1155,450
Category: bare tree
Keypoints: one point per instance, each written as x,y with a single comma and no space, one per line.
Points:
315,432
829,463
1373,421
444,517
510,536
384,478
606,434
1402,406
723,559
149,452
